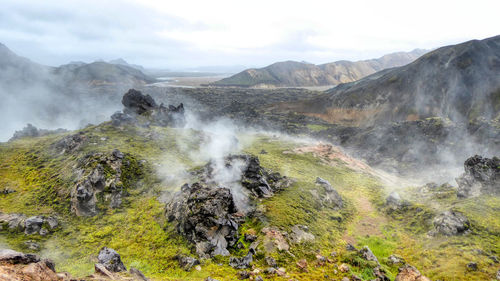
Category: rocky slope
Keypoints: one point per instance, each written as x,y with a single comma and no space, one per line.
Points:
299,74
179,201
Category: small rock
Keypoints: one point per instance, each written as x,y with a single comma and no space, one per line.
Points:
302,265
472,266
43,231
494,259
320,258
281,271
102,270
367,254
259,278
210,279
241,263
13,257
300,235
138,274
350,247
111,260
344,268
186,262
393,259
32,245
250,237
52,222
410,273
345,279
498,274
271,262
243,274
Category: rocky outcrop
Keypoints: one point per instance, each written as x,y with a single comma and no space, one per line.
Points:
243,262
451,223
410,273
332,197
18,266
206,216
143,110
111,260
70,143
99,173
41,225
481,176
31,131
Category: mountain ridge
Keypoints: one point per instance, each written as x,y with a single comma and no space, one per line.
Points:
301,74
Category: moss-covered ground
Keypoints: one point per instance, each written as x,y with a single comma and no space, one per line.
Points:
43,180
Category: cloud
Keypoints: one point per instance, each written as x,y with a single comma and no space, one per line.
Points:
191,33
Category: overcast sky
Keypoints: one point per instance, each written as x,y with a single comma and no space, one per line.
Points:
185,33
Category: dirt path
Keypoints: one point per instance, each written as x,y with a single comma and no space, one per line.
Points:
366,223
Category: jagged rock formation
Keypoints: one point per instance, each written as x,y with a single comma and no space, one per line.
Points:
16,266
32,131
207,214
139,105
481,176
207,217
111,260
70,143
98,173
451,223
300,74
332,196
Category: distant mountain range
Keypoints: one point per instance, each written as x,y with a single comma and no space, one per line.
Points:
302,74
460,82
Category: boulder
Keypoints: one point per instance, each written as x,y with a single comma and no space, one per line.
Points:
111,260
138,103
33,225
206,216
13,257
410,273
368,255
332,197
451,223
15,222
481,176
394,200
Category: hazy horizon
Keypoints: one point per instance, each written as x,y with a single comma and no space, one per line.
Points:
192,34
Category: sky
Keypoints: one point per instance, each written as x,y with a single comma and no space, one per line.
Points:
187,34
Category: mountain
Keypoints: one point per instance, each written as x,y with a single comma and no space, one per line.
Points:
302,74
55,97
121,61
460,82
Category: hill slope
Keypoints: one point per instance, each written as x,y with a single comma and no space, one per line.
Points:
298,74
460,82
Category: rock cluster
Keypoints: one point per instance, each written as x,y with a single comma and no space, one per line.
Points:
32,131
41,225
139,105
111,260
481,176
98,173
206,212
70,143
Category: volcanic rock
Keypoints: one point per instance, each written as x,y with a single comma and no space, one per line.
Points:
138,103
186,262
70,143
206,216
33,225
243,262
332,196
482,176
410,273
451,223
111,260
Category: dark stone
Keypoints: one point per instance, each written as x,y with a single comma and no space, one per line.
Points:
31,131
241,263
350,247
111,260
243,274
138,103
70,143
32,245
186,262
451,223
271,262
472,266
482,176
206,217
33,225
367,254
138,274
250,237
50,264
